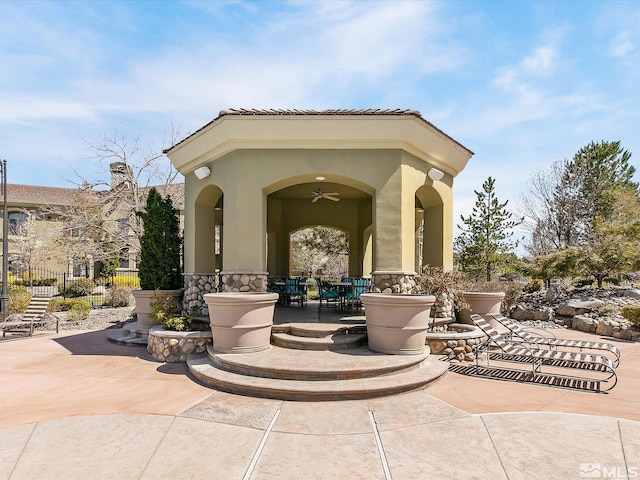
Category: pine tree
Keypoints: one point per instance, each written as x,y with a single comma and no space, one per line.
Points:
160,245
485,243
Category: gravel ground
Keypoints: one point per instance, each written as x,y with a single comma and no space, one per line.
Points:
99,319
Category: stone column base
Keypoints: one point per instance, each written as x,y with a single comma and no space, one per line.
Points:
394,282
195,286
244,281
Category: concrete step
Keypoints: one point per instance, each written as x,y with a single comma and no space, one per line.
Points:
287,364
326,375
130,335
318,330
337,341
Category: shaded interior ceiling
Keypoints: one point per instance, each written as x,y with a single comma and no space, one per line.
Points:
304,191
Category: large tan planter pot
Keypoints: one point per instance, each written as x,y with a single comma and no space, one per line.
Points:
143,304
241,322
397,324
484,304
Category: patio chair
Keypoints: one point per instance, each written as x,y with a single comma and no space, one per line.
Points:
294,291
545,366
36,314
542,337
328,294
359,286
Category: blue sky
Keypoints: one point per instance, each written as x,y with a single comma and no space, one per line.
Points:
521,83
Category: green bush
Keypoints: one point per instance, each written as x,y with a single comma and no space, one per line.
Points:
78,288
178,324
632,314
59,304
80,311
533,285
118,297
19,299
36,282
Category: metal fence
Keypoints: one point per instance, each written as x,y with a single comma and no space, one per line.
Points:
41,281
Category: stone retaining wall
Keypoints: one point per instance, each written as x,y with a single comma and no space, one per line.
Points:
171,347
456,343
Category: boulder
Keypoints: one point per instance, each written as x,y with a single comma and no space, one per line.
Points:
554,292
633,293
521,312
604,328
578,306
584,323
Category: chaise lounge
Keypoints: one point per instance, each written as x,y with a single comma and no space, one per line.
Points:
546,366
541,337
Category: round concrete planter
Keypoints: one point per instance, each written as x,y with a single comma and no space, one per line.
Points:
143,304
397,324
484,304
241,322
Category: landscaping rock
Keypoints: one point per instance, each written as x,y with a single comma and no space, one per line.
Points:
521,312
584,323
578,306
633,293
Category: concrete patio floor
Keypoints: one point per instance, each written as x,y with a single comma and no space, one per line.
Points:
74,405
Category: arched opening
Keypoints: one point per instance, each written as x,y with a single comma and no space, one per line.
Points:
319,251
429,227
339,205
207,230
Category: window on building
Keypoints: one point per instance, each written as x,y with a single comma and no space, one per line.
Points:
17,223
123,226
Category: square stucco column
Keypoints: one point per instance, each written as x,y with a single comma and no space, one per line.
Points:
244,239
394,230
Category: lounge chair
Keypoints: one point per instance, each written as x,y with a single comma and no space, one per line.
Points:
541,337
35,315
547,366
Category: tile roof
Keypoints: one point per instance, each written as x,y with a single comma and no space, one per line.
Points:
337,112
37,195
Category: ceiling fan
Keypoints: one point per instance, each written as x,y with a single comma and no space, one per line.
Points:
318,194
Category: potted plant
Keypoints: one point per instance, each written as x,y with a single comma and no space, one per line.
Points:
160,247
446,286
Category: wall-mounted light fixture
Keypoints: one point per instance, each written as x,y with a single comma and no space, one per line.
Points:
435,174
202,172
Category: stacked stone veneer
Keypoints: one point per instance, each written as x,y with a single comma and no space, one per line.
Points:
172,347
244,281
457,343
195,286
394,282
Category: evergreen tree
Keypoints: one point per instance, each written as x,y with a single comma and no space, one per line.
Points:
160,245
485,244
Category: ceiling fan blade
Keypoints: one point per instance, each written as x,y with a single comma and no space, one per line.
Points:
331,198
334,193
317,197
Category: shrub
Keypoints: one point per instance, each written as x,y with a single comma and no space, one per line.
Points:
160,245
611,281
163,307
632,314
19,299
178,324
118,297
80,311
79,288
131,282
60,304
533,285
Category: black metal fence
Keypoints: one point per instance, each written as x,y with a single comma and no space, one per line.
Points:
41,281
